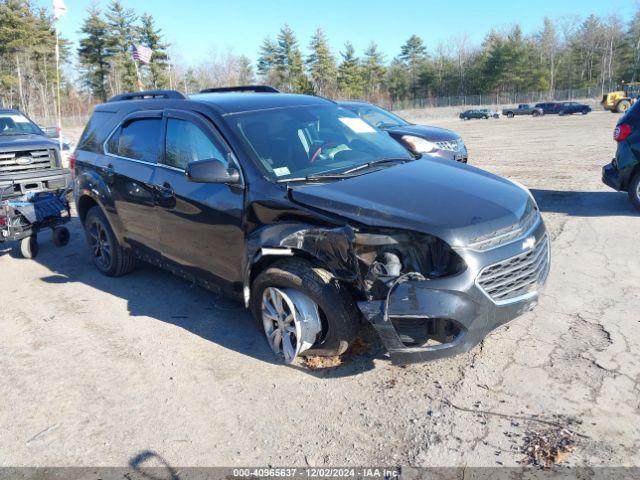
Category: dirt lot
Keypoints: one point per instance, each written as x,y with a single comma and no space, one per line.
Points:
97,371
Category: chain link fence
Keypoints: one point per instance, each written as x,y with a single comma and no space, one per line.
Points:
594,94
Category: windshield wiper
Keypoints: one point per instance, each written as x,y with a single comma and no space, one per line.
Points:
332,174
380,161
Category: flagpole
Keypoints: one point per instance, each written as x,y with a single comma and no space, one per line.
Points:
58,106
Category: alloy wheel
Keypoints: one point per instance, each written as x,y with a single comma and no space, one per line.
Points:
100,246
291,321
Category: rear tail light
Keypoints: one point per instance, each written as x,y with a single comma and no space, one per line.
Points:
622,132
72,161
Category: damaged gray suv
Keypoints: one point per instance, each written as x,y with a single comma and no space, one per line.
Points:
312,217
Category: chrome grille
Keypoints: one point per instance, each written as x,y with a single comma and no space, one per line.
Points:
26,161
516,276
451,145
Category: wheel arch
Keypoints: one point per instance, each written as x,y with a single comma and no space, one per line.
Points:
324,247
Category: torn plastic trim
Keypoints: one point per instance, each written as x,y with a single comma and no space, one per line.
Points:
331,247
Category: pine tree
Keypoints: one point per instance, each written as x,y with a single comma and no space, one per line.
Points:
398,81
151,37
267,60
322,65
289,68
414,54
350,79
373,70
122,35
95,53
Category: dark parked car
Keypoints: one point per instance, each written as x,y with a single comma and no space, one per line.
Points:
469,114
312,217
417,138
29,161
522,109
623,173
564,108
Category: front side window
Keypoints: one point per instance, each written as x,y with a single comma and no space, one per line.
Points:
293,142
138,139
14,123
380,118
186,142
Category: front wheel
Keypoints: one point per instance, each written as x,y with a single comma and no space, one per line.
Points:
510,115
536,114
29,247
303,310
106,252
634,191
585,111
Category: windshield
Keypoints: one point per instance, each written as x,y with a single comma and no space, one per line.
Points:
379,117
297,142
17,124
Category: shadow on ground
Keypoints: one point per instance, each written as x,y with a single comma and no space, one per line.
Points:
155,293
584,204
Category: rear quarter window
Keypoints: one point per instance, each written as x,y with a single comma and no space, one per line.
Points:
96,131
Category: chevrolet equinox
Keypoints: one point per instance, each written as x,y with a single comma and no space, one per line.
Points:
313,218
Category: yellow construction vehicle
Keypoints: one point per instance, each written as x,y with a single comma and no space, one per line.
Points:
621,100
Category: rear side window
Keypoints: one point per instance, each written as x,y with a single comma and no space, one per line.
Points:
138,139
186,143
94,133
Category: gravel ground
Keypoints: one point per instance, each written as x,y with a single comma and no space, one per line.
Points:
101,372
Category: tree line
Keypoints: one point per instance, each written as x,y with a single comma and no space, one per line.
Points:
568,53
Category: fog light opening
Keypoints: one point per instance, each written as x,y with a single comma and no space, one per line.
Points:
425,332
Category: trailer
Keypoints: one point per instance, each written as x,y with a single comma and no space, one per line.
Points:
23,218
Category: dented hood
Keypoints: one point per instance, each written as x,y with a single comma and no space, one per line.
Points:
453,201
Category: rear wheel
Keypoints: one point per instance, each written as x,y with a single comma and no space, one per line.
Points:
634,191
303,310
61,236
623,106
107,254
536,114
510,115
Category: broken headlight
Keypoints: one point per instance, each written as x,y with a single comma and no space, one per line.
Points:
384,256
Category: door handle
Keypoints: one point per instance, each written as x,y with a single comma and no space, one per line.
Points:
166,190
109,173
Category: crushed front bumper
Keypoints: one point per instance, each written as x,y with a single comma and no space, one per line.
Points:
460,301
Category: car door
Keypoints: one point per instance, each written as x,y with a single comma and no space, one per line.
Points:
131,153
201,228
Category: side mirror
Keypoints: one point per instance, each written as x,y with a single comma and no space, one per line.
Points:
212,171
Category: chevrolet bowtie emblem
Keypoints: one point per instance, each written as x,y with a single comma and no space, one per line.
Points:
529,243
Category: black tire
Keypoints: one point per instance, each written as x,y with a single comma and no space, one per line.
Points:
536,114
634,191
623,106
561,113
29,247
340,318
108,255
585,111
510,115
61,236
486,117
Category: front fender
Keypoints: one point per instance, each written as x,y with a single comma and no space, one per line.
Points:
330,247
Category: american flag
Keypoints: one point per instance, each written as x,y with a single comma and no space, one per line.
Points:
142,53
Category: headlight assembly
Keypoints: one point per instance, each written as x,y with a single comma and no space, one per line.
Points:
418,144
385,255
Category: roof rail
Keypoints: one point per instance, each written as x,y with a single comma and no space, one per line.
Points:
148,95
242,88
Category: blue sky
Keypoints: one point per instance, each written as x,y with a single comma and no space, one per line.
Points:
194,27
